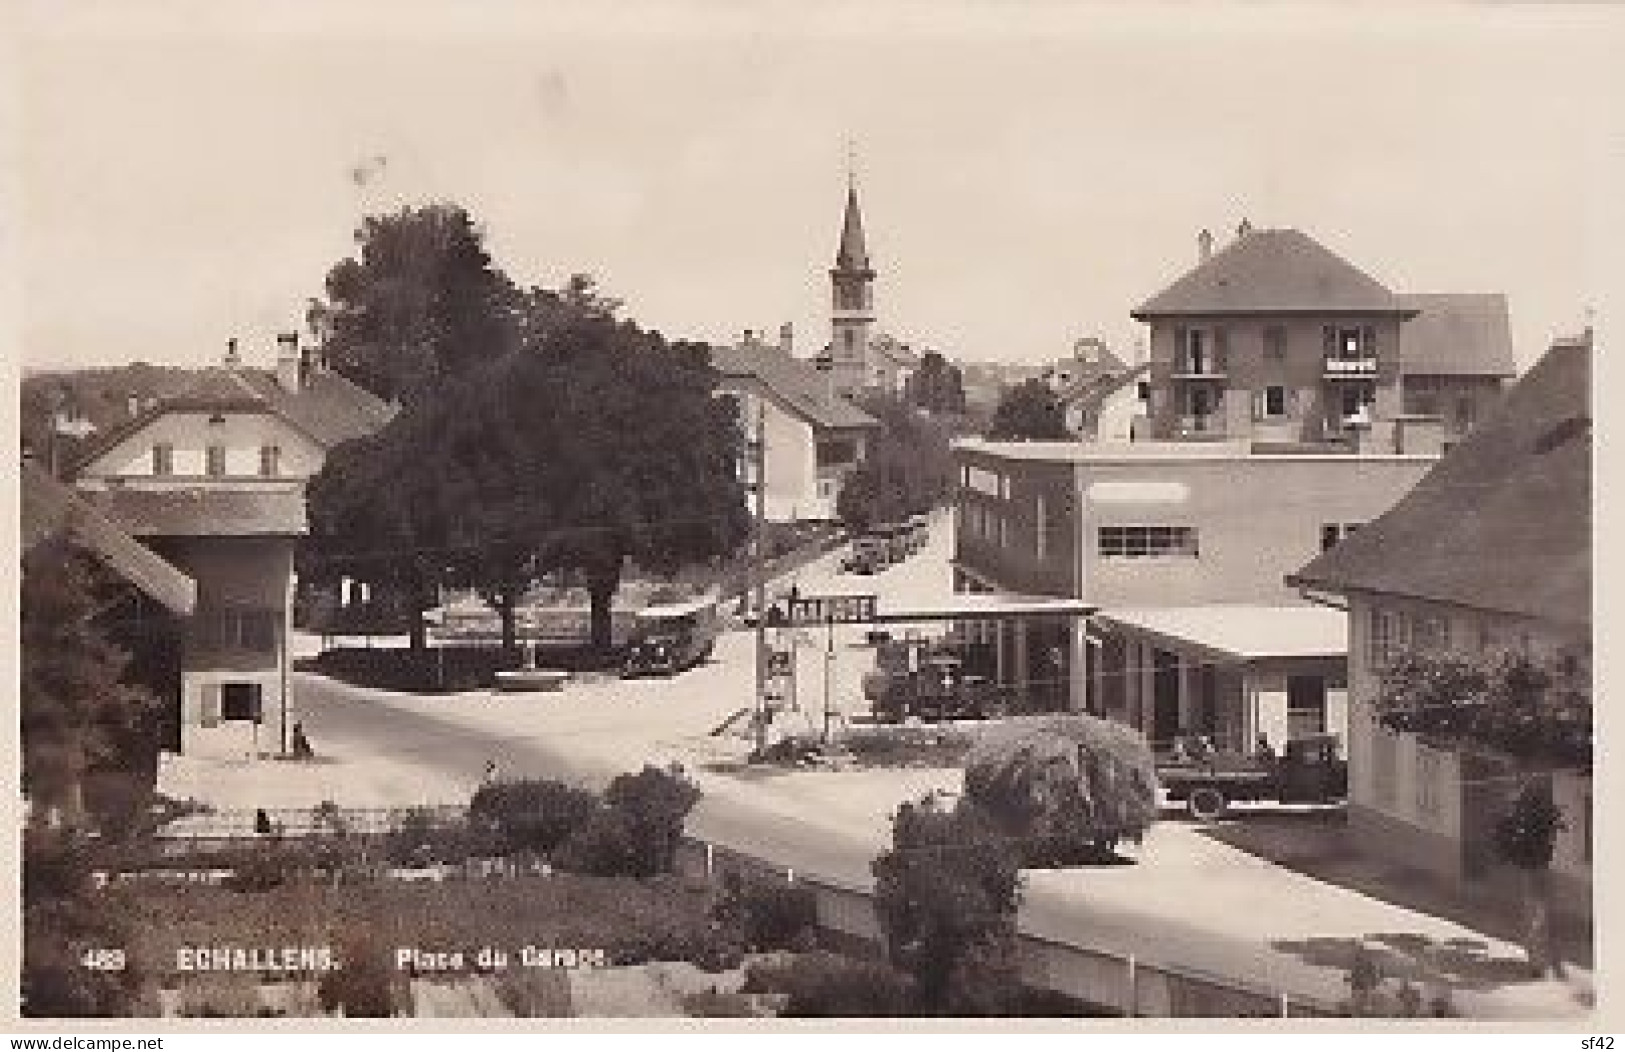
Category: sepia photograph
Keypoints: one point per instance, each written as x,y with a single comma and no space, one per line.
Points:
712,514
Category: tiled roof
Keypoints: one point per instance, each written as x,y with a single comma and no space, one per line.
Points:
1503,522
49,507
205,512
1457,334
1272,272
799,387
327,407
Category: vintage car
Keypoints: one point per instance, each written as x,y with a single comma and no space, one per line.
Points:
1309,771
672,637
916,679
870,554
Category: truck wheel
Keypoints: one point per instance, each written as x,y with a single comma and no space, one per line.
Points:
1206,804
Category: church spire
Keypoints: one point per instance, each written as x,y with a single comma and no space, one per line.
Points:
853,253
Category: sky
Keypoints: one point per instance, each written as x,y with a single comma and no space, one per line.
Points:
1029,172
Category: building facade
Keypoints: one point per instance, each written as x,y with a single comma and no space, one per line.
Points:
813,437
213,480
1512,576
1275,338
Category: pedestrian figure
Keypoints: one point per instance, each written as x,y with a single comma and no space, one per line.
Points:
262,822
301,744
490,771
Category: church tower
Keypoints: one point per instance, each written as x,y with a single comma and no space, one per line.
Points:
852,300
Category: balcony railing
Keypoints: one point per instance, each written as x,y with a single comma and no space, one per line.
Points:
1198,368
1363,368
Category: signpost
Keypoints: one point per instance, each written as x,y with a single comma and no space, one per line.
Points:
803,611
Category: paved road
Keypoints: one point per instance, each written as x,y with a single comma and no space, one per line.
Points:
1189,901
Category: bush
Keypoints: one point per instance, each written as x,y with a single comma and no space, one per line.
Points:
260,872
824,985
639,834
531,814
771,916
55,983
946,894
605,845
420,837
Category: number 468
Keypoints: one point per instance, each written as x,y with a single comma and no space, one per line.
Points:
103,960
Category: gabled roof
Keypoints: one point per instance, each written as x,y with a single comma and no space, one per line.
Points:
327,408
1503,522
49,507
205,512
1457,334
1272,272
793,383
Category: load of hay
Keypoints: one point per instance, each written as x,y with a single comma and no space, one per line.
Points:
1069,787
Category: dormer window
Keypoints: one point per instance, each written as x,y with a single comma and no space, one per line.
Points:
270,460
163,459
215,460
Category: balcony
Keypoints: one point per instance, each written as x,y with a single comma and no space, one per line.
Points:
1198,367
1362,368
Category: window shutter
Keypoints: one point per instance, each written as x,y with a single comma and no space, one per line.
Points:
1368,341
211,705
1329,338
1258,405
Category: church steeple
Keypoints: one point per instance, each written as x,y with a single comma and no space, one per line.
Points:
853,255
851,299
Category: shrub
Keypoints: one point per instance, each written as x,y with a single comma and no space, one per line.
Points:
260,872
946,894
651,807
55,983
771,916
420,836
531,814
605,845
825,985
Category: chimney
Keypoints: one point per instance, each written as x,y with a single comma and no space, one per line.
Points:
1244,229
231,353
1204,246
288,361
787,338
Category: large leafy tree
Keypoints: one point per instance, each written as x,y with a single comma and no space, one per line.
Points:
1028,412
907,468
420,301
592,444
936,386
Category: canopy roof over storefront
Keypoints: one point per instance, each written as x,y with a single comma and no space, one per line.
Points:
1240,633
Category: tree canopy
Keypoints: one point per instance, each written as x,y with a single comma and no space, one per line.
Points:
907,468
420,301
593,443
1029,412
936,386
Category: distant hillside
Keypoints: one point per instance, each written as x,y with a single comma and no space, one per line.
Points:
100,396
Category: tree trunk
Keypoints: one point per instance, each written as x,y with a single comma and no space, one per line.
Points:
602,582
507,605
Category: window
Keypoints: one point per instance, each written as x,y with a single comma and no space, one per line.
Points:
240,701
1466,412
1386,638
163,459
1143,391
270,460
1275,400
1305,706
215,460
1275,343
1332,532
1042,545
1138,542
